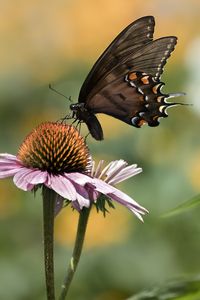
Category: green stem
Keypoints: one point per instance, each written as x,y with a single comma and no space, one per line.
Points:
80,235
48,220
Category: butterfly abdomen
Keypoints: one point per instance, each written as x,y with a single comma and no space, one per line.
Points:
94,127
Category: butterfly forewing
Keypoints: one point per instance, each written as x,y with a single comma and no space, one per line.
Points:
132,38
150,59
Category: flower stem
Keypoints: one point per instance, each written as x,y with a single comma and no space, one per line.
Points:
80,235
48,220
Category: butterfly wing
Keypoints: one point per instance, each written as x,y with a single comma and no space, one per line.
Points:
152,58
133,37
125,80
125,99
135,99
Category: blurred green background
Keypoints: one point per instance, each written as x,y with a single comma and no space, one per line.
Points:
57,42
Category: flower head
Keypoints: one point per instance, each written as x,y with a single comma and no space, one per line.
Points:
55,148
55,155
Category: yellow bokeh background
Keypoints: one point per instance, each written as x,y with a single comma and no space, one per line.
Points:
118,224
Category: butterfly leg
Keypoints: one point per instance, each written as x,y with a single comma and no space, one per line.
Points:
85,139
78,125
67,117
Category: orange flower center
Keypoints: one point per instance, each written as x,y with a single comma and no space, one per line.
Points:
56,148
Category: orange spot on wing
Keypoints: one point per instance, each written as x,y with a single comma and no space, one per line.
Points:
132,76
145,80
142,122
154,89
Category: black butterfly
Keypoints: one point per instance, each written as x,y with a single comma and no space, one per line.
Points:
125,81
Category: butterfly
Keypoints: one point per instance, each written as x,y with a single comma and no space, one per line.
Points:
125,81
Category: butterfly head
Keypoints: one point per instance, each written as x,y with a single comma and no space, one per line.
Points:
76,107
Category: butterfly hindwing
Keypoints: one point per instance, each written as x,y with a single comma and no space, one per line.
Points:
136,99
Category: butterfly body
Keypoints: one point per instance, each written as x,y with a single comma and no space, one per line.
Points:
125,81
81,113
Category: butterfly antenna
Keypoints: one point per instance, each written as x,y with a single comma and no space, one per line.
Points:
68,98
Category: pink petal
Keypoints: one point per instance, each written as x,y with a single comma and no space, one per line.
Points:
124,199
116,166
102,186
93,169
92,193
20,179
124,174
63,187
76,205
137,215
134,206
103,172
120,197
9,166
48,181
113,169
98,171
30,186
37,177
82,201
8,173
58,204
9,162
78,178
82,197
6,157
